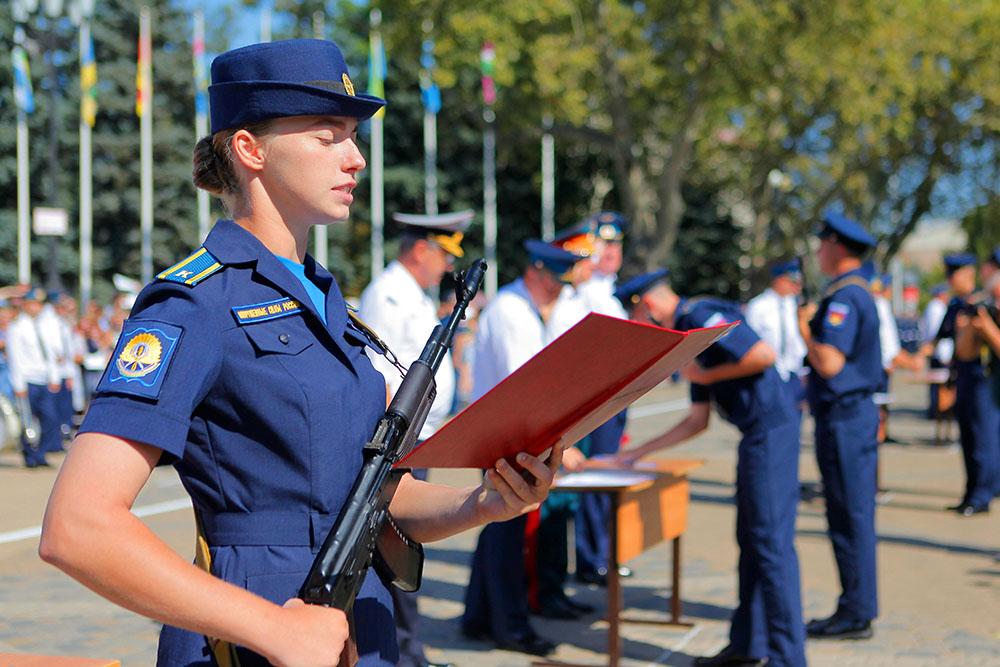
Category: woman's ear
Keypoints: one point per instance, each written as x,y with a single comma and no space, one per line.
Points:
248,149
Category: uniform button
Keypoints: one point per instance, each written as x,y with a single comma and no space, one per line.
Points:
283,338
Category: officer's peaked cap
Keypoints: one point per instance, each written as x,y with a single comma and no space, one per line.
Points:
844,230
295,77
447,229
632,290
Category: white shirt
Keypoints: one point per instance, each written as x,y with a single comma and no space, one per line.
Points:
570,308
30,354
888,331
403,316
930,323
775,319
598,294
510,332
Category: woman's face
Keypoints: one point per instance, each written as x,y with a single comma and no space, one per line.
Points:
310,168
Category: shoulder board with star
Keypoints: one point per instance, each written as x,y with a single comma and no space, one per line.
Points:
193,269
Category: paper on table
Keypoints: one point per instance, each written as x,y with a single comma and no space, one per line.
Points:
609,477
575,384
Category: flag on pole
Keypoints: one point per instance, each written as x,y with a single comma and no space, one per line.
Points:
377,70
486,58
23,94
143,75
200,73
430,94
88,76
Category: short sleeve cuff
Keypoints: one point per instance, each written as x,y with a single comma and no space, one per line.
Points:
132,420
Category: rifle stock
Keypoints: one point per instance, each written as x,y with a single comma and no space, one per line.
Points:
364,525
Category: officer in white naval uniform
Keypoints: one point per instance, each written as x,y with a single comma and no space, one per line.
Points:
512,329
35,374
396,306
598,295
773,315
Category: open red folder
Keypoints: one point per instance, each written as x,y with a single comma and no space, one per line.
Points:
575,384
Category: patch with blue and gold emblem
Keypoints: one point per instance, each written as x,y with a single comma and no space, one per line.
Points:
269,310
193,269
141,358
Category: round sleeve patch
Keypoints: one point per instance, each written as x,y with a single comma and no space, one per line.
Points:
141,358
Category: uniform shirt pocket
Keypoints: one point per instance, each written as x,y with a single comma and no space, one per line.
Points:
288,335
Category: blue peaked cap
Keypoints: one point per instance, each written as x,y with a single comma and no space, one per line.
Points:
847,230
790,267
295,77
555,260
632,290
956,261
608,225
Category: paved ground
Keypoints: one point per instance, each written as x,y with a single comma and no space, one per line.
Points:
939,574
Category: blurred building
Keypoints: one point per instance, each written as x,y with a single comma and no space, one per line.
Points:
930,241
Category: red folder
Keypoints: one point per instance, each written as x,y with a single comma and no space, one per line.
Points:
575,384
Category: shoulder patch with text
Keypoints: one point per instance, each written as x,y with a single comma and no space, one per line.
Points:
269,310
836,313
141,358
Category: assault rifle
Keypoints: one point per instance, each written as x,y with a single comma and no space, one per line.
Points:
364,533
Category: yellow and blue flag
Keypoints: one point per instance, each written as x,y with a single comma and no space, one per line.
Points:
88,77
23,95
377,70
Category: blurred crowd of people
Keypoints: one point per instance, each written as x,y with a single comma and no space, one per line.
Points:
51,359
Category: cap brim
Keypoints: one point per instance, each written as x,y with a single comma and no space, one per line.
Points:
263,100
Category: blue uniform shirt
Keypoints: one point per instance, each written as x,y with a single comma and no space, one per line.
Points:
746,401
847,319
262,408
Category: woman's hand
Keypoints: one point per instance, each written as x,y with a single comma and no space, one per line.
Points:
307,636
507,493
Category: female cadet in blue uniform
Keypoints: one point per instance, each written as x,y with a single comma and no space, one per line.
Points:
842,339
737,373
240,367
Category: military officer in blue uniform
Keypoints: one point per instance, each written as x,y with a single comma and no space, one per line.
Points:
975,408
241,366
738,375
842,339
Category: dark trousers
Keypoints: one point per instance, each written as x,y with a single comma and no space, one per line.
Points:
979,431
592,514
552,555
768,621
44,407
411,649
495,601
847,453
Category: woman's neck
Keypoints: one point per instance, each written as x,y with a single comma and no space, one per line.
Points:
263,221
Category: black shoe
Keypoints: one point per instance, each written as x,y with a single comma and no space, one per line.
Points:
839,627
476,634
557,608
955,508
968,509
727,657
580,607
440,664
599,578
530,644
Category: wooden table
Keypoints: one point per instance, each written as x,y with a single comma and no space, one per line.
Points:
648,505
17,660
938,380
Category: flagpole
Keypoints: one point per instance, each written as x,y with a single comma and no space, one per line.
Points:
146,144
487,56
23,200
24,100
321,234
431,105
548,181
265,22
378,187
86,179
201,113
